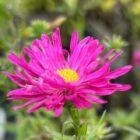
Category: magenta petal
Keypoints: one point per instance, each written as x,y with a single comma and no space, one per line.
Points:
115,56
100,72
96,100
27,103
58,111
37,106
74,41
15,79
119,72
17,92
81,103
106,56
122,87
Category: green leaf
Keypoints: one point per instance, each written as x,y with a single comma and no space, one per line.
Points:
100,123
65,126
83,129
75,116
132,130
57,136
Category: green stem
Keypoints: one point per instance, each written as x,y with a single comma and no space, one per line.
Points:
74,114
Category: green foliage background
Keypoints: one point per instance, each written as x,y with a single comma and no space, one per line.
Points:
115,22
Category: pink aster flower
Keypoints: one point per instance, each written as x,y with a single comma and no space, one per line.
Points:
51,76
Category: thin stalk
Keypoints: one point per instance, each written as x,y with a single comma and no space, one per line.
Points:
74,114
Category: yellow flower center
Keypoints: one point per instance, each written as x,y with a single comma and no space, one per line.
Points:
68,75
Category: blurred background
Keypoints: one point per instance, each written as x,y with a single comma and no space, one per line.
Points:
115,23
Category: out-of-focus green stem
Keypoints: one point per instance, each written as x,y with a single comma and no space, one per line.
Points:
74,114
